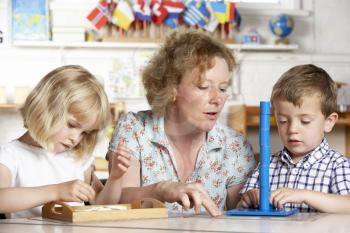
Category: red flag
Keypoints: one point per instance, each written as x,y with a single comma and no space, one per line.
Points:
99,16
159,12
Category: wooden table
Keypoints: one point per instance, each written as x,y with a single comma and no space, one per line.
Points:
302,222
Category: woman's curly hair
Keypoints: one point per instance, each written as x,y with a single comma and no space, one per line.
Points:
182,51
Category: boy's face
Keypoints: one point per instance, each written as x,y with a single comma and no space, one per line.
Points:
302,129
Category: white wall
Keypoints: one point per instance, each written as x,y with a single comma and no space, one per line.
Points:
322,37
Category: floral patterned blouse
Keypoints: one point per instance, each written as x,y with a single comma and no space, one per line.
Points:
225,160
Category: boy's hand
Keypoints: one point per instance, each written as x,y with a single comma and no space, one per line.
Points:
285,195
250,199
120,161
76,190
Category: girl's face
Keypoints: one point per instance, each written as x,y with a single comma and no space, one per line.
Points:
71,134
199,104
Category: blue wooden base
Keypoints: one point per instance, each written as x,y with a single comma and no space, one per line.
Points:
258,212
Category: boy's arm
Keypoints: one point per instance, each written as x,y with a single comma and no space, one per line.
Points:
17,199
323,202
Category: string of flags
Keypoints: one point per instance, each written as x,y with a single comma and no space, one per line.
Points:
206,14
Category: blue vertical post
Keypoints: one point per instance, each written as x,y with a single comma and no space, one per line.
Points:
265,208
264,142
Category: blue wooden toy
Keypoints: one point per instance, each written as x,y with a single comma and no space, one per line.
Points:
265,209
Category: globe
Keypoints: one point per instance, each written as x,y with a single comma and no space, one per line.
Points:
281,25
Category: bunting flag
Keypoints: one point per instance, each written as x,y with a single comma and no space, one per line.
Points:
238,19
100,15
123,15
191,14
159,13
174,9
219,9
230,12
213,21
196,14
205,14
142,10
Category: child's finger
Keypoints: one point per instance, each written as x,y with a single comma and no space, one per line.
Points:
88,191
124,154
122,167
246,202
124,161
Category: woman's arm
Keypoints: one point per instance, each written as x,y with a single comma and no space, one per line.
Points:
188,195
17,199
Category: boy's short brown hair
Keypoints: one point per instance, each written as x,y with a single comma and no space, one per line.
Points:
306,80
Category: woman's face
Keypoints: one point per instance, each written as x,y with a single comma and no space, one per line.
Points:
198,104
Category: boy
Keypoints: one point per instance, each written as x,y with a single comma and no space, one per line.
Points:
307,174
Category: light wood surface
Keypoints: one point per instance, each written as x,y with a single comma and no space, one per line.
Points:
91,213
302,222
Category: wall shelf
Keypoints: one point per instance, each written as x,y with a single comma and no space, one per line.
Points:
144,45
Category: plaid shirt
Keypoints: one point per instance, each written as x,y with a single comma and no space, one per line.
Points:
323,170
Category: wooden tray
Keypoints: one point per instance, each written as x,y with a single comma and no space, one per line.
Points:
145,208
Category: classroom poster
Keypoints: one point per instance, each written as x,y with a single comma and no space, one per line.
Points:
30,20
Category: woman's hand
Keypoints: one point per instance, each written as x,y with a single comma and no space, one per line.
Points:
75,190
120,161
188,195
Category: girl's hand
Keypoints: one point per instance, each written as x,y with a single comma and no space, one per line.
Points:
120,161
76,190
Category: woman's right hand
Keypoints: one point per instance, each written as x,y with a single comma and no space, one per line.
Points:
76,190
188,195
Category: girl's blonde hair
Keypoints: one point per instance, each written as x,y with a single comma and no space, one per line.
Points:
67,90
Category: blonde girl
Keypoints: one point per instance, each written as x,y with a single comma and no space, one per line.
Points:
52,160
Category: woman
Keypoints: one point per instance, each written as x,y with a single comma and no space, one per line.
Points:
181,154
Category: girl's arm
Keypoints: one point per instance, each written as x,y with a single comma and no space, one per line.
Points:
17,199
119,163
323,202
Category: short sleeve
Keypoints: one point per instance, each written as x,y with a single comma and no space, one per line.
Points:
240,149
128,130
86,162
8,159
341,177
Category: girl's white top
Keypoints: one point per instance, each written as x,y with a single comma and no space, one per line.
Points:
32,166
